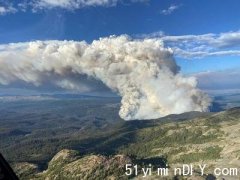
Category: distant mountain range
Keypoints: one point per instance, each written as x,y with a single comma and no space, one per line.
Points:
220,102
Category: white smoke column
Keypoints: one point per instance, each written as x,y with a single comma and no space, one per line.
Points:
143,72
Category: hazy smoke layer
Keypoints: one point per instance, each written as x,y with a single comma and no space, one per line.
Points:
143,72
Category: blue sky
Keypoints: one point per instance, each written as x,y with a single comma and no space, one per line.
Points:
212,23
91,22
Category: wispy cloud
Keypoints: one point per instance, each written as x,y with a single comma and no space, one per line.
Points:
199,46
170,9
38,5
7,9
71,4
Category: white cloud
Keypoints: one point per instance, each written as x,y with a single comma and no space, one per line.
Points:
72,4
36,5
7,9
170,10
199,46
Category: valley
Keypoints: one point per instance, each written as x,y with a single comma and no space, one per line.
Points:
34,132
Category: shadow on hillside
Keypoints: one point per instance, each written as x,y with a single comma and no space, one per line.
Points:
109,143
155,162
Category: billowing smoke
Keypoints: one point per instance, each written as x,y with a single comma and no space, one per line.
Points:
142,72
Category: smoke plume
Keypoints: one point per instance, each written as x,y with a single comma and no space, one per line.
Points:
142,72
